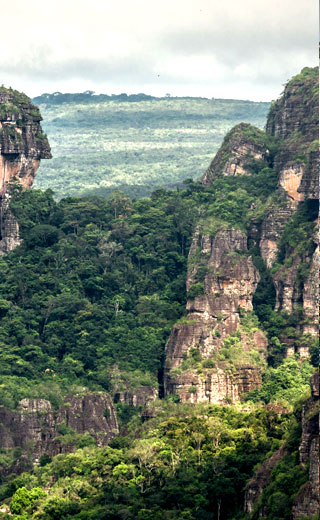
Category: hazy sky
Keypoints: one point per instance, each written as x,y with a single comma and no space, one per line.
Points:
245,49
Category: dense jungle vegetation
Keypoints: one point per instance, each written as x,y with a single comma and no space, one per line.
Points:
98,284
135,143
93,291
188,463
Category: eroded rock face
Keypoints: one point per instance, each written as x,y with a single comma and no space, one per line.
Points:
290,147
311,297
294,120
229,283
294,289
22,146
241,145
36,426
275,219
297,109
140,396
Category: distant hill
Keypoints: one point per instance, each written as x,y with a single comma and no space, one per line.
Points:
135,143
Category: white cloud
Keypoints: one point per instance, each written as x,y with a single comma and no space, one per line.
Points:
197,47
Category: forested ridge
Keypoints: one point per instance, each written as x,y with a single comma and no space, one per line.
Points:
136,143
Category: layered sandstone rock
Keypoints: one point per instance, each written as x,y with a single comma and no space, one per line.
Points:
310,297
290,147
37,428
229,284
295,289
293,120
241,145
22,146
140,396
276,217
126,391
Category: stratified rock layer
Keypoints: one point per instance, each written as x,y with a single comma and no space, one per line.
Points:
289,146
36,427
293,120
229,284
241,145
22,146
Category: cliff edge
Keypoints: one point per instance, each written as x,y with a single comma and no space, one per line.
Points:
22,145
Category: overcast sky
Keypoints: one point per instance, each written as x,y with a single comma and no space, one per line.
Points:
243,49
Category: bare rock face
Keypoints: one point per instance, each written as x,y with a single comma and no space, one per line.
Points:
140,396
294,120
39,429
221,276
229,283
311,297
241,145
22,146
128,392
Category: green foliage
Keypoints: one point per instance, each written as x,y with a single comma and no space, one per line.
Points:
135,143
25,500
89,298
101,282
181,464
284,383
195,290
297,236
285,481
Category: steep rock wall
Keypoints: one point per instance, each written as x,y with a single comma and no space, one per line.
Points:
36,427
293,120
242,144
229,283
22,146
306,502
289,147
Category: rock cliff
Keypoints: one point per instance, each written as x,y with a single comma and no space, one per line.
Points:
242,144
228,284
222,277
306,502
293,121
39,429
22,146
